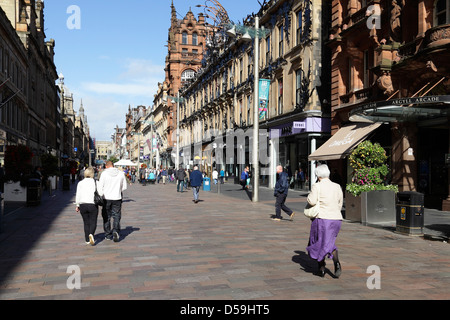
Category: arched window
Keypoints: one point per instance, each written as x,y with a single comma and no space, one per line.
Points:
441,12
187,74
184,38
195,39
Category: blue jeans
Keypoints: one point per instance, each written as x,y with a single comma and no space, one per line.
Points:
196,191
112,210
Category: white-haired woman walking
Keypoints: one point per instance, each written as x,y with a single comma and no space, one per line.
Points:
325,228
85,205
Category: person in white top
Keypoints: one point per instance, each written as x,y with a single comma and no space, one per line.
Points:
325,228
215,176
84,201
111,186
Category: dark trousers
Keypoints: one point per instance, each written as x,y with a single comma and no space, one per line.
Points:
180,182
111,210
89,213
279,205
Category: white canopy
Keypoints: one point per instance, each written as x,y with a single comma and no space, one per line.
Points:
125,163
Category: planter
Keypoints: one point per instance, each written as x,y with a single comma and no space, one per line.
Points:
14,192
371,208
352,207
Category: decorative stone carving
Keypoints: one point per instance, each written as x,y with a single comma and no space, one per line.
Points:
384,82
438,36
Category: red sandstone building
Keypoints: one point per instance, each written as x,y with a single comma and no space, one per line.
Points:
390,74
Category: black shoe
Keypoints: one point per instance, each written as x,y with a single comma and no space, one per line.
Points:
321,272
337,269
115,236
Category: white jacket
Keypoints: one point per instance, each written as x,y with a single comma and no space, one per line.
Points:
85,192
330,200
112,183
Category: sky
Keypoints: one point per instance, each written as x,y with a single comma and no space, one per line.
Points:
112,53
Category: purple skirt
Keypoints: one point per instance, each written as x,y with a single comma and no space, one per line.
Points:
322,239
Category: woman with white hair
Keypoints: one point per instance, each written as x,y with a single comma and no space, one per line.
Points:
85,205
326,226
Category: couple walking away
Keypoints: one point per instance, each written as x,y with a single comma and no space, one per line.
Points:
110,186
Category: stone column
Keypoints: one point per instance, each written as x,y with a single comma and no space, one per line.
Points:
404,150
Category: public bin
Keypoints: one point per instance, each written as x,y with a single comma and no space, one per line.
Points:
410,213
66,181
206,184
34,191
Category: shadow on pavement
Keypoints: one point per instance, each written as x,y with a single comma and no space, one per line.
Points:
23,226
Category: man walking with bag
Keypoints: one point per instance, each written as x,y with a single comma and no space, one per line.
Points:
281,192
111,185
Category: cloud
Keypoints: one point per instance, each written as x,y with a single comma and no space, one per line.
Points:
140,79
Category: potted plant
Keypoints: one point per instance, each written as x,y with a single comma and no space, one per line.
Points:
50,168
369,198
18,168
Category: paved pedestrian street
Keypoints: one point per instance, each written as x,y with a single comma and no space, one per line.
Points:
223,248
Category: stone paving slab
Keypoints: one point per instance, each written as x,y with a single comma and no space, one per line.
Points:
222,248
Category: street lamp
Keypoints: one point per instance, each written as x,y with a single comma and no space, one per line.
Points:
177,99
248,34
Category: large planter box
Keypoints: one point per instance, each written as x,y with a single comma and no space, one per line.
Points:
14,192
352,207
372,208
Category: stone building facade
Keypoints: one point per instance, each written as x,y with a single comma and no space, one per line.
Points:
186,42
219,101
390,66
30,98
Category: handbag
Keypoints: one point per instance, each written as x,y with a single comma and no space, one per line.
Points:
98,200
312,211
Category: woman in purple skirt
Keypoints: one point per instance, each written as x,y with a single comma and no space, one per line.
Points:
325,228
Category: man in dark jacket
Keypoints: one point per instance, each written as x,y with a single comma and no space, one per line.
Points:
196,179
281,192
180,175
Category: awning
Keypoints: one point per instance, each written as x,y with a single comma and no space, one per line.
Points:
342,143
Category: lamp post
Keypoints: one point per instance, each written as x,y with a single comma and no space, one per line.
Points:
248,34
177,99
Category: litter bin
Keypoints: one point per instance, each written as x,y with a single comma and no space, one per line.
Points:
34,190
66,182
206,184
410,213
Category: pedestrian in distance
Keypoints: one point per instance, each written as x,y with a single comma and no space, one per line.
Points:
111,186
326,226
84,201
244,177
215,175
196,179
222,176
180,176
164,175
280,192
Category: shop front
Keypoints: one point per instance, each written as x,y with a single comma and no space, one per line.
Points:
420,143
294,141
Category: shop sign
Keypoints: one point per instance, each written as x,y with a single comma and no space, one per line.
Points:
296,127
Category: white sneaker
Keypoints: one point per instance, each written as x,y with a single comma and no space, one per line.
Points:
91,240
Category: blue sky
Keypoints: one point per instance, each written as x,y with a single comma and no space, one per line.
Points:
116,57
